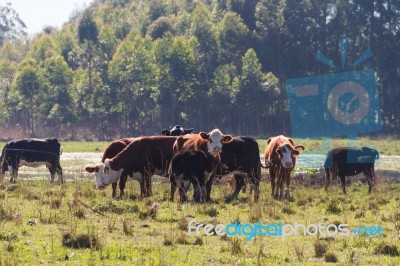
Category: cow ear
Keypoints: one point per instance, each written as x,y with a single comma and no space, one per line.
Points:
226,139
165,132
188,131
300,146
295,152
204,135
92,169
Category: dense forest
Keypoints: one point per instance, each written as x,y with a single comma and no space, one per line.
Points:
127,68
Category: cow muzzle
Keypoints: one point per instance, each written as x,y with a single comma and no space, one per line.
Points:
288,165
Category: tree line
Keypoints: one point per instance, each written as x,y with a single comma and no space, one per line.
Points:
126,68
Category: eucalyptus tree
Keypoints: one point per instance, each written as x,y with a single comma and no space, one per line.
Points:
131,75
11,25
253,93
29,96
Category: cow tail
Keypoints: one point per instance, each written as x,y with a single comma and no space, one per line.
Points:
61,150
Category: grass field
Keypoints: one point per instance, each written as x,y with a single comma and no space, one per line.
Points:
76,224
387,146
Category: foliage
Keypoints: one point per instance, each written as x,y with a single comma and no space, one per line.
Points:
124,67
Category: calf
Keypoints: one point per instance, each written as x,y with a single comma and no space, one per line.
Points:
280,158
350,161
112,150
243,154
190,167
33,153
177,131
207,142
139,160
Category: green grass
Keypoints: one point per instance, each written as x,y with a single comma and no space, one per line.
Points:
387,146
79,225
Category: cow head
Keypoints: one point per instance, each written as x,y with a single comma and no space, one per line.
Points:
215,139
104,174
287,153
177,131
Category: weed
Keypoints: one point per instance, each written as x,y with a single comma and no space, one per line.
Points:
320,249
387,249
333,208
331,257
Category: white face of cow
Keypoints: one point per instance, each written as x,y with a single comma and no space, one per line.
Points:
215,140
286,155
104,175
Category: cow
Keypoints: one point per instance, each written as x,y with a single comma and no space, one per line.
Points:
350,161
139,160
243,154
33,153
280,158
110,151
177,131
207,142
190,167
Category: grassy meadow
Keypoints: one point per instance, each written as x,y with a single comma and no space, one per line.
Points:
75,224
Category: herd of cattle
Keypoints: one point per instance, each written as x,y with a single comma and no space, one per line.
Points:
192,159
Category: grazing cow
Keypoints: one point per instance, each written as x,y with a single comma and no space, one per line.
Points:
139,160
243,154
207,142
350,161
190,167
112,150
177,131
33,153
280,158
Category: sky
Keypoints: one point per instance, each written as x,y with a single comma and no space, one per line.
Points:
39,13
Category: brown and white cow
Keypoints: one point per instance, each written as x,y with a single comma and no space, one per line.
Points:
142,158
110,151
280,158
209,143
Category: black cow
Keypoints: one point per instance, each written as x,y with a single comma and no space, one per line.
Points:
350,161
191,167
177,131
243,154
34,153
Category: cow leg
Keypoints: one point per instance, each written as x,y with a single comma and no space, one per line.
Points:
147,186
59,173
173,187
209,184
272,177
256,189
239,183
343,181
14,174
287,183
142,188
114,189
122,182
52,173
182,191
327,178
368,175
